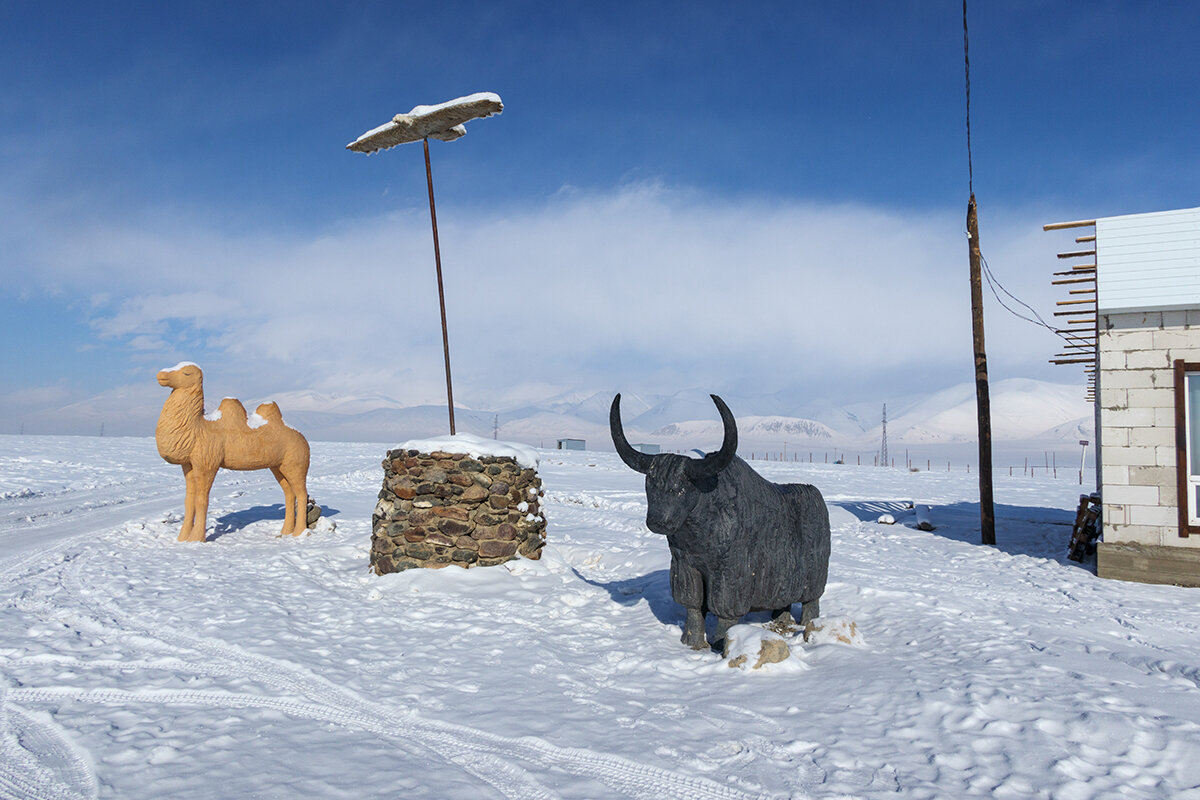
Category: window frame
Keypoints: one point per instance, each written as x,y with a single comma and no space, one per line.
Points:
1182,471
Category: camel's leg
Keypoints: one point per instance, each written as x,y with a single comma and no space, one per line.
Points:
301,491
189,505
289,503
200,483
297,478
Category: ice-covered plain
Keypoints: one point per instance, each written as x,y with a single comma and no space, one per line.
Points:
254,666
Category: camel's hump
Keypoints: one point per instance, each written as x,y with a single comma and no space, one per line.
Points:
269,412
232,408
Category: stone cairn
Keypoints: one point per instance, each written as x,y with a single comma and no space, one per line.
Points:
447,508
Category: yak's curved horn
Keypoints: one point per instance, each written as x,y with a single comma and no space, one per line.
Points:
714,462
635,460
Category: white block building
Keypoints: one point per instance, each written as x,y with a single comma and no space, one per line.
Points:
1147,274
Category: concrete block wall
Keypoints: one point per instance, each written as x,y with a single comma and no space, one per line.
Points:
1137,423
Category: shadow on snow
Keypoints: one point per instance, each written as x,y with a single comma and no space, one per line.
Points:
236,520
655,589
1020,530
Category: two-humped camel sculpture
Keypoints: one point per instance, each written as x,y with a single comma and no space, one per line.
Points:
203,445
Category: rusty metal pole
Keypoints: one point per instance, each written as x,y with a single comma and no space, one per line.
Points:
437,257
987,514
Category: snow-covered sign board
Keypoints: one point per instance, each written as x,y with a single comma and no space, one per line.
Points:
1148,262
444,121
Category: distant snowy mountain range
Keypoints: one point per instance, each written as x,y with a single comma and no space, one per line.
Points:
1022,410
749,428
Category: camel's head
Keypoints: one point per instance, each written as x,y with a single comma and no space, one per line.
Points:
185,373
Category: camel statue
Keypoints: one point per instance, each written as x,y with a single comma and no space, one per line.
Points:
202,445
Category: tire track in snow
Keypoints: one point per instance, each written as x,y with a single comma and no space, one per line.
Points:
635,780
490,754
86,511
63,528
347,710
14,569
37,762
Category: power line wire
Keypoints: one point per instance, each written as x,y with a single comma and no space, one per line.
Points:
994,282
967,66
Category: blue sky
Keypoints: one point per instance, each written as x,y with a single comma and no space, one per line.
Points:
677,195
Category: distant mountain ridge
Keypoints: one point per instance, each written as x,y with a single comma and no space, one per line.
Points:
1022,410
750,428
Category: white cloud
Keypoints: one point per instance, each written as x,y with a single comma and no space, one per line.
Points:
33,397
645,288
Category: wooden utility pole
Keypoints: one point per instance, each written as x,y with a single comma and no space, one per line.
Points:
983,403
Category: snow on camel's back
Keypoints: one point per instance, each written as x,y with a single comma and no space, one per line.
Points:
202,445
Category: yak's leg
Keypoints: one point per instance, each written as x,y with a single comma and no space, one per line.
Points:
693,630
289,503
200,483
687,587
723,626
811,610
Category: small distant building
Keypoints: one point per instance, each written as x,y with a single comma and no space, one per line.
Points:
648,449
572,444
1136,328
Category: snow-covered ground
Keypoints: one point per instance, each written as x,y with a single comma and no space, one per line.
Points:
252,666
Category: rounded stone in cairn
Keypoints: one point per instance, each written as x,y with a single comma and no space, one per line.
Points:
440,508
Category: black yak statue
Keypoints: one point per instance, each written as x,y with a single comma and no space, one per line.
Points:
739,543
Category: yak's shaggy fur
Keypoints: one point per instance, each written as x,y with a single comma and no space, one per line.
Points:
739,543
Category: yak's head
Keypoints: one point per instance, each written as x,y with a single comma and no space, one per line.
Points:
674,484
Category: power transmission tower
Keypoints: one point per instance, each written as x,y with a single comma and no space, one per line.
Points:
883,456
